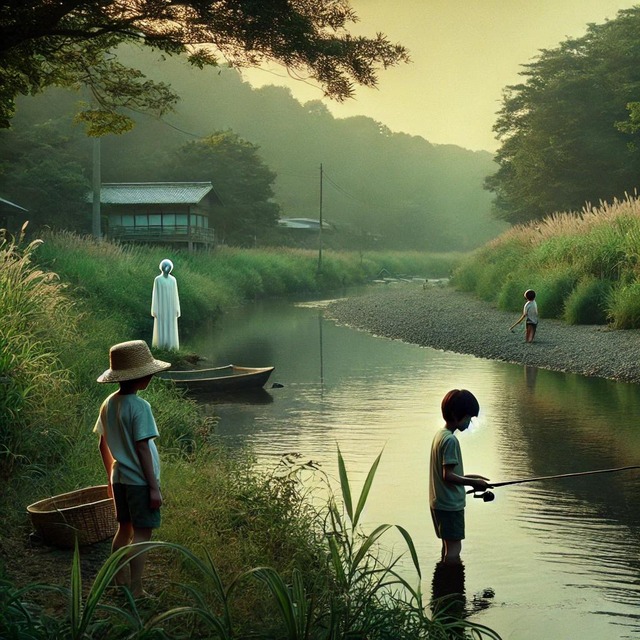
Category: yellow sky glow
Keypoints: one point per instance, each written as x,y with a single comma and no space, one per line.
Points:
464,52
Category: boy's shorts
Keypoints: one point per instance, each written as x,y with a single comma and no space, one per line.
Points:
449,525
132,505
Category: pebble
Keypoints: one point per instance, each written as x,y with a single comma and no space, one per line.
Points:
443,318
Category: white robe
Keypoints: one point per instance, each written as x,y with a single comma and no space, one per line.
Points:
165,308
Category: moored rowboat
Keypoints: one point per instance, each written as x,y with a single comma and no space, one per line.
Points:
229,378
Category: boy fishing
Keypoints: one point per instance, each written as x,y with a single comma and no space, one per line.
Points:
127,431
447,479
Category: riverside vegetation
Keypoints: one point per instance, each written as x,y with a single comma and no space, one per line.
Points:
584,267
247,553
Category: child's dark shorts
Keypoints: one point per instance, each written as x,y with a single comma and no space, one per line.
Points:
132,505
449,525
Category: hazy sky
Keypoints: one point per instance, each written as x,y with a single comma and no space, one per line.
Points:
464,52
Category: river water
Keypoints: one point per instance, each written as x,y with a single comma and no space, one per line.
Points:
552,560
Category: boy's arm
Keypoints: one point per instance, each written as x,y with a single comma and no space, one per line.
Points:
479,483
146,462
520,319
107,461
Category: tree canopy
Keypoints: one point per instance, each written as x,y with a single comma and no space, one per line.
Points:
566,135
241,179
72,43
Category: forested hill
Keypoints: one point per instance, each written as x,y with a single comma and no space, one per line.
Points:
400,188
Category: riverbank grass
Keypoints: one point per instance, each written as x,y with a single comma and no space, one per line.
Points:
63,304
584,267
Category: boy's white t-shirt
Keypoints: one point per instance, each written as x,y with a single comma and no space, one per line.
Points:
531,311
129,420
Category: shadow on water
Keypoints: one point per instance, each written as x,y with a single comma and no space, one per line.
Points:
561,554
448,596
245,396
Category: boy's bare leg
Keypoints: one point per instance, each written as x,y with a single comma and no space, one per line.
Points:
137,563
451,550
123,537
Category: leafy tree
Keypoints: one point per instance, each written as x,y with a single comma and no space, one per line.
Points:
71,43
240,178
562,142
39,169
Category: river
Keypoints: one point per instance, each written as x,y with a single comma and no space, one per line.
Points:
557,559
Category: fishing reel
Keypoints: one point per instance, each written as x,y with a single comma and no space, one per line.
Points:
486,496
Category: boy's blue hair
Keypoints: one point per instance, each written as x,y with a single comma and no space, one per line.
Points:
459,403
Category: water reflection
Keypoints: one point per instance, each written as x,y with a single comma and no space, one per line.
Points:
562,555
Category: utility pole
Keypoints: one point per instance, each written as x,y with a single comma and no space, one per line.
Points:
96,183
320,228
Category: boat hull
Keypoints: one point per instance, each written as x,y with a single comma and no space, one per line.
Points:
220,379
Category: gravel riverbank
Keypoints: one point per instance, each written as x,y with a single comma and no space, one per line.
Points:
440,317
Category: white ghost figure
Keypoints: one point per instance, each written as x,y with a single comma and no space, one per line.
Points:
165,308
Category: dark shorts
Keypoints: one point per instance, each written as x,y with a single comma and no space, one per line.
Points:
132,505
449,525
531,324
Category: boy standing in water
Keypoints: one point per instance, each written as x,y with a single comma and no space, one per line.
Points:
127,432
530,314
447,479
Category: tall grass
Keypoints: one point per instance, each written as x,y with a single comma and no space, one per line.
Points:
271,567
365,597
584,267
117,279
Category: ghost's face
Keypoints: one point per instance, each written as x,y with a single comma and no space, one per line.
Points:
166,266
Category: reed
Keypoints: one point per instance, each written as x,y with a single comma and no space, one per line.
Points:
557,257
363,598
270,566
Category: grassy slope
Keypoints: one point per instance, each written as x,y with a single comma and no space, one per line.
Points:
54,340
585,268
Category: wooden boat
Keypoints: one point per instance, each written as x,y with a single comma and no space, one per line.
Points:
219,379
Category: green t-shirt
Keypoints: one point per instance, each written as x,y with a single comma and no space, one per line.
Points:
129,420
445,449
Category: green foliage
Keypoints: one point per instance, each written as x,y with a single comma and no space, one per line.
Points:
67,45
587,304
553,287
366,597
42,165
584,268
562,144
402,193
35,391
624,306
241,180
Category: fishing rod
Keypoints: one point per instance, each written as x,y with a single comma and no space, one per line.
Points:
488,496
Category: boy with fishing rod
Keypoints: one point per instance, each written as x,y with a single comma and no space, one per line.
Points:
447,479
127,431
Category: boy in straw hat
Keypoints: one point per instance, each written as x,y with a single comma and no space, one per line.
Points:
127,431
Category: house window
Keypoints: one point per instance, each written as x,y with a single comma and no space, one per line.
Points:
127,220
169,220
181,219
142,220
115,221
155,220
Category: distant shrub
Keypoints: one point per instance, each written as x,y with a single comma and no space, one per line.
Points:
465,275
511,296
624,307
553,288
587,303
490,282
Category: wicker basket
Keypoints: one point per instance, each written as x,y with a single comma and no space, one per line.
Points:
87,514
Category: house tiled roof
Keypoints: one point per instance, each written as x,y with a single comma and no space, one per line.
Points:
154,192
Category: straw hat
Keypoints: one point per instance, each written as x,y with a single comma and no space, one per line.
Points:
130,361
